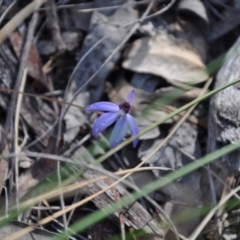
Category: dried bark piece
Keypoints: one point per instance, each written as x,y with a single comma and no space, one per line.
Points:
224,124
35,112
5,80
224,113
135,215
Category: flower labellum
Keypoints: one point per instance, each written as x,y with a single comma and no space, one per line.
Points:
113,113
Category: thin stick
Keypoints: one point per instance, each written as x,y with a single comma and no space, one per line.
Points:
42,97
17,117
22,66
53,23
9,125
7,11
19,18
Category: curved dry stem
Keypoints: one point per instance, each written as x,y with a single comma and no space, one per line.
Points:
19,18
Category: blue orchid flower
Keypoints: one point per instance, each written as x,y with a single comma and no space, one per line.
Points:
113,113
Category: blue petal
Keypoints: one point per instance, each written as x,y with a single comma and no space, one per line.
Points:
103,106
133,127
131,96
119,131
104,121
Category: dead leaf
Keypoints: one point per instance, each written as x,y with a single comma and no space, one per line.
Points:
34,63
230,20
193,12
168,57
193,35
40,170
